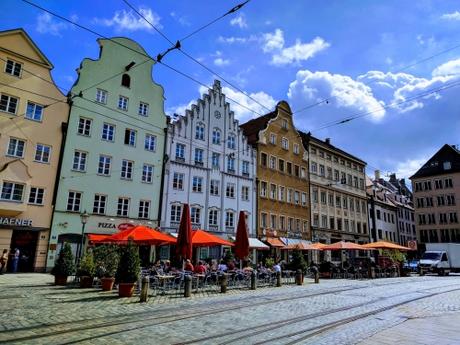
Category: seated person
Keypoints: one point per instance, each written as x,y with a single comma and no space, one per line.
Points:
222,266
200,268
188,266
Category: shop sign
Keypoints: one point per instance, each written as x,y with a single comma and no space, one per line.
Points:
106,225
412,244
15,221
125,226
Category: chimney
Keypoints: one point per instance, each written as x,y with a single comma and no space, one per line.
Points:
377,174
328,141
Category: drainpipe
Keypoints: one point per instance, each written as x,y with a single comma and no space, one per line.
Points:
163,168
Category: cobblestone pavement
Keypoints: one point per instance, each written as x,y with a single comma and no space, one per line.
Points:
332,312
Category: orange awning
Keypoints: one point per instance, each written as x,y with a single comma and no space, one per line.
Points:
318,245
385,245
301,246
97,237
342,245
201,238
275,242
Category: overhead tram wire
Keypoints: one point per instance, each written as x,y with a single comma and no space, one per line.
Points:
178,46
122,45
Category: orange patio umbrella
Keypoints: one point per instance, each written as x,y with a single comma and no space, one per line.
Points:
97,238
318,245
343,245
301,246
201,238
141,235
385,245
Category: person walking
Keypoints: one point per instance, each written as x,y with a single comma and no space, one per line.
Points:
3,260
16,259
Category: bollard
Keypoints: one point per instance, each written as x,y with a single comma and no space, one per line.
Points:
253,280
145,289
372,272
278,279
223,283
316,277
187,286
298,277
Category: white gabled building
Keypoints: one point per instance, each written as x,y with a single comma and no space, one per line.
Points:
211,167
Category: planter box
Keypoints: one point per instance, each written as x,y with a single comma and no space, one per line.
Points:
86,282
126,289
107,284
60,280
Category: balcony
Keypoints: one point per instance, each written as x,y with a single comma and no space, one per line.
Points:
12,208
214,228
180,159
199,163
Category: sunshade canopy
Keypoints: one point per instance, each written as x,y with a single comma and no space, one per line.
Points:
184,237
141,235
318,245
301,246
275,242
201,238
385,245
96,238
342,245
242,240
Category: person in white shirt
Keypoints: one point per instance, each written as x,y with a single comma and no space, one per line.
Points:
277,267
222,266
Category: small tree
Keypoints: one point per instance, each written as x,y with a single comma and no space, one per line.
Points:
269,262
228,256
64,265
129,266
87,268
298,261
106,258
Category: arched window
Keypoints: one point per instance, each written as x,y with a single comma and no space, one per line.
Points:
125,80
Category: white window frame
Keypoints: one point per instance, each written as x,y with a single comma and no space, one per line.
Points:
147,173
214,187
109,132
229,219
104,165
32,114
150,142
144,209
199,131
101,96
143,109
8,104
178,181
13,192
42,155
36,195
195,215
216,136
213,217
230,190
127,168
79,161
197,184
99,203
72,197
14,152
123,206
123,102
245,193
84,126
180,151
176,212
13,64
132,138
285,144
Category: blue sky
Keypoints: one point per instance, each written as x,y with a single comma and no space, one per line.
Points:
353,53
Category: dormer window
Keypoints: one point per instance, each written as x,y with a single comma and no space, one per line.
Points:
14,68
447,165
126,80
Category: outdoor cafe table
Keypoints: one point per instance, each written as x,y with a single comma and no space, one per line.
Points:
199,277
164,279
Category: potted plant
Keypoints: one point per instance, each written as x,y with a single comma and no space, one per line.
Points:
64,265
128,270
298,263
106,258
86,270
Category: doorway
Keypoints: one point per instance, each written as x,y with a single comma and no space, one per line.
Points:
26,242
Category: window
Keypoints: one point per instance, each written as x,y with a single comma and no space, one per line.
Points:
144,208
273,221
101,96
230,190
178,181
272,162
284,124
127,169
214,188
285,144
290,195
195,215
352,204
296,149
245,193
303,172
231,164
441,200
147,173
176,212
84,126
143,109
180,151
197,184
281,193
349,180
108,132
315,195
34,111
453,217
74,201
324,221
314,167
338,201
199,132
378,214
199,156
332,223
263,189
123,207
14,68
296,171
123,103
213,216
272,138
215,160
355,181
36,195
229,219
336,175
323,198
296,197
281,165
290,224
104,165
42,153
231,142
321,170
316,220
361,183
272,191
263,159
263,220
450,199
304,199
12,191
79,161
282,223
8,104
331,199
125,80
216,136
448,183
150,142
289,168
130,137
100,201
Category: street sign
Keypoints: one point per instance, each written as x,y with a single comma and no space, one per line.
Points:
412,244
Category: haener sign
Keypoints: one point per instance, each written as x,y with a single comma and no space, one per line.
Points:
15,221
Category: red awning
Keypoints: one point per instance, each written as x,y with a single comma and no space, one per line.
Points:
201,238
275,242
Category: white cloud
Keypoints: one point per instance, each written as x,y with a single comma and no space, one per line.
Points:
451,67
182,20
239,21
221,62
130,21
274,43
47,25
451,16
232,40
409,167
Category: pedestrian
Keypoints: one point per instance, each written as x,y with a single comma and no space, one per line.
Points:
3,260
16,259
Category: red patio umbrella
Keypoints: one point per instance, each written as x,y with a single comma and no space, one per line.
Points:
184,236
342,245
141,235
242,240
201,238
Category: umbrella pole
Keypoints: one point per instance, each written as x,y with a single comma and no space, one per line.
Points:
241,264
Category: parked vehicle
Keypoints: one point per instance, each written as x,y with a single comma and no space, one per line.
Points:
440,258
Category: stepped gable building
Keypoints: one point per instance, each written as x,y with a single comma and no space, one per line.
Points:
337,193
436,188
33,114
211,166
282,177
113,157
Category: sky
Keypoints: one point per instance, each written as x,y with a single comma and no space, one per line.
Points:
394,65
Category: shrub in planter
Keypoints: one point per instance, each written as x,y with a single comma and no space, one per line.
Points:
64,265
106,258
298,263
86,270
128,270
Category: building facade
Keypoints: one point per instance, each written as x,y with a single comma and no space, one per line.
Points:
113,158
282,176
32,114
436,188
210,166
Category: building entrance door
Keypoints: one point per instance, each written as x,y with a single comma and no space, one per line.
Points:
26,242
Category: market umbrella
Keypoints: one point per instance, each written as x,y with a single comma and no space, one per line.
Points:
318,245
201,238
97,238
242,240
184,237
302,246
140,235
342,245
385,245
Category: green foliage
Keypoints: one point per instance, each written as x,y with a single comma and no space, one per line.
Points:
298,261
64,265
106,258
87,268
394,255
269,262
129,266
228,256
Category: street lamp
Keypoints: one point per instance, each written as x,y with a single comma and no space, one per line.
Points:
84,219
